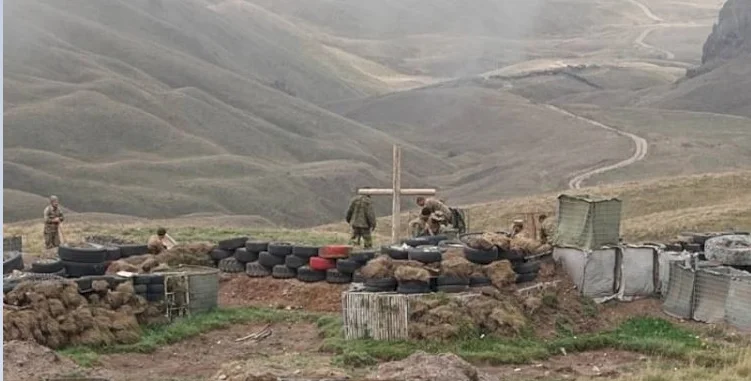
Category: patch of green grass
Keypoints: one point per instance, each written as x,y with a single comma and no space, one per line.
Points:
156,336
644,335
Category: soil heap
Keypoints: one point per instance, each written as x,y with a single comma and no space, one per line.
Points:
25,360
421,366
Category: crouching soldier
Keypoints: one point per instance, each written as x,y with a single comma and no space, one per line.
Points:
156,243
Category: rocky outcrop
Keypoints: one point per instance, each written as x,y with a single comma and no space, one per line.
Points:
731,36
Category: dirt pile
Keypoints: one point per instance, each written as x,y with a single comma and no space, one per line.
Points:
241,371
497,239
421,366
501,274
140,264
195,254
457,266
54,314
444,318
25,360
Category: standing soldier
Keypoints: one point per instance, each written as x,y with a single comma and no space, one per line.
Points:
53,217
361,217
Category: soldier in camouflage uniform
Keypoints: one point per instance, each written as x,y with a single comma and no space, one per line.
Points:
53,217
517,229
436,205
436,226
155,244
361,217
547,229
418,225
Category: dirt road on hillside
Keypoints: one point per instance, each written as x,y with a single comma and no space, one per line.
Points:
642,148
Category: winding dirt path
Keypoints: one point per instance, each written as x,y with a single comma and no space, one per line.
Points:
641,144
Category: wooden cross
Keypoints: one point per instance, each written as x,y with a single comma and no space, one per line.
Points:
396,192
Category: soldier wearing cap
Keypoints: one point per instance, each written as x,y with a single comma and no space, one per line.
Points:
53,217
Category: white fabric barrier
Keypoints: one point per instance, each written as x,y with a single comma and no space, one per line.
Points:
593,272
638,272
665,259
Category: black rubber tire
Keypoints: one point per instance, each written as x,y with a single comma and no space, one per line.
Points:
155,289
357,277
219,254
445,280
425,254
132,250
675,247
397,253
413,287
154,297
510,255
82,255
479,282
256,270
283,272
334,276
61,273
417,241
232,243
308,275
295,262
76,269
15,262
140,288
527,267
244,256
46,266
347,266
381,284
256,246
452,289
10,283
269,260
231,265
280,249
148,279
481,257
305,251
362,257
527,277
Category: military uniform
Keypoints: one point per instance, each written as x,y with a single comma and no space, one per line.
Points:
436,205
417,227
361,217
155,245
547,231
51,228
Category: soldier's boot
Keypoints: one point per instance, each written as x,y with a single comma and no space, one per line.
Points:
368,240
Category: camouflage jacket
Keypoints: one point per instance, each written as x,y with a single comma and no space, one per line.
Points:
435,205
155,245
547,231
361,213
417,227
51,213
451,233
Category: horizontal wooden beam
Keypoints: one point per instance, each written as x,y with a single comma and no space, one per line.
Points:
404,192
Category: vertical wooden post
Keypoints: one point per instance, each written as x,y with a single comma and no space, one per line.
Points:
396,199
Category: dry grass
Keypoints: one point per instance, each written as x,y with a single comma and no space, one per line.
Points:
739,370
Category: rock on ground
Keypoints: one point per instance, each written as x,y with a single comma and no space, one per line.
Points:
421,366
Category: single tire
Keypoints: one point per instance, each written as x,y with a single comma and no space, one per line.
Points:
154,297
481,257
46,266
413,287
452,289
295,262
347,266
445,280
305,251
280,249
132,250
527,277
140,288
425,254
479,281
335,251
10,283
61,273
219,254
82,254
256,246
269,260
321,264
232,243
693,248
362,257
256,270
527,267
357,277
14,262
309,275
148,279
244,256
78,269
231,265
336,277
155,289
381,284
283,272
396,252
419,241
113,252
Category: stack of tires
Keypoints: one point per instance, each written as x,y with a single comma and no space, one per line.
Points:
270,260
83,261
335,264
12,260
149,286
526,269
224,254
